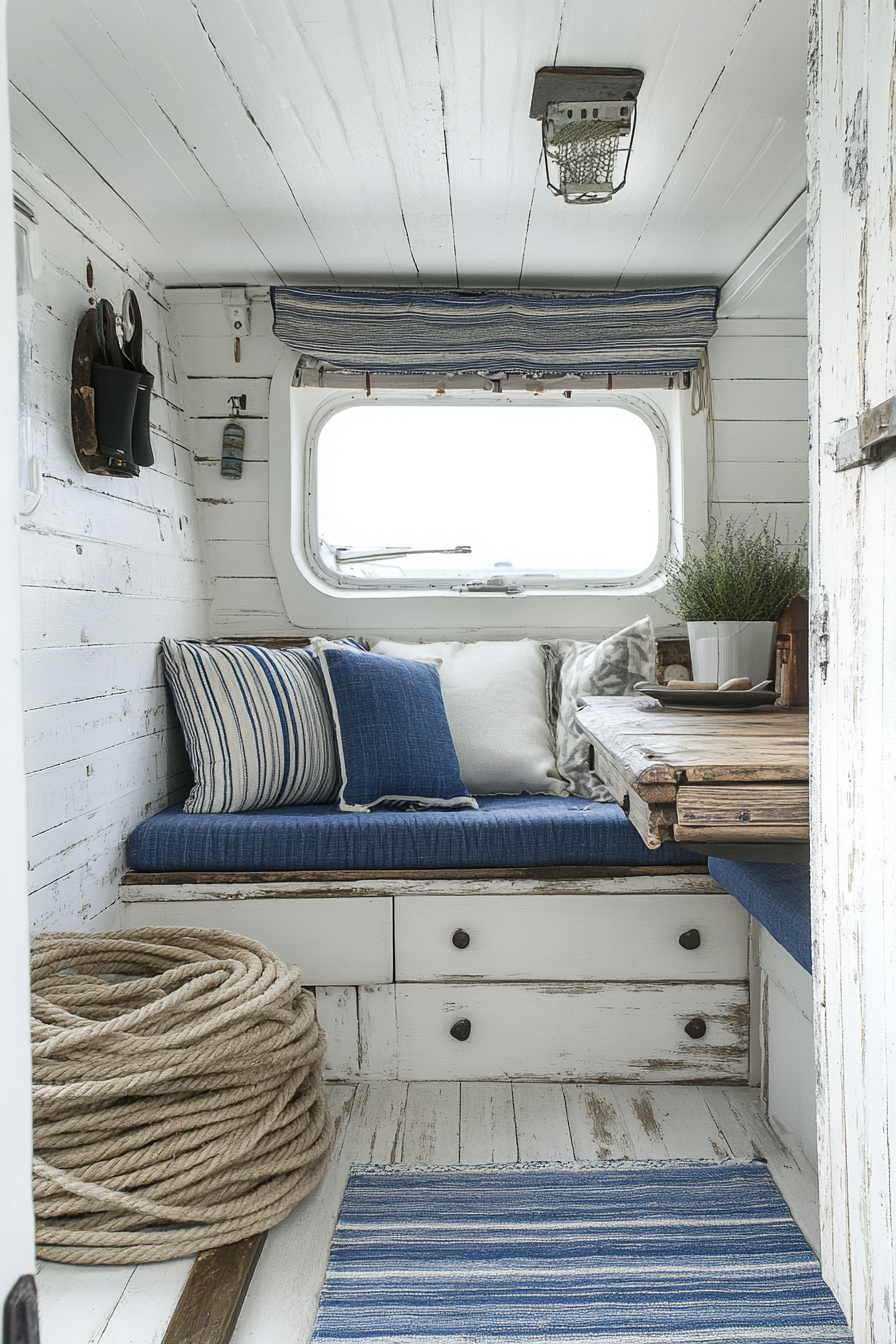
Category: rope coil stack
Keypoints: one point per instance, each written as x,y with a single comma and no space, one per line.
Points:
178,1098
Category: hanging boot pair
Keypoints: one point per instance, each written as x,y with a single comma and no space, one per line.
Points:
111,392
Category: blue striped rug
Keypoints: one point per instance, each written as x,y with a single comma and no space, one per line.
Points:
650,1252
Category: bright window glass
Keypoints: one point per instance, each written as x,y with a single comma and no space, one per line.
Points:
541,494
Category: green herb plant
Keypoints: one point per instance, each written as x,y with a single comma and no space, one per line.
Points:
739,575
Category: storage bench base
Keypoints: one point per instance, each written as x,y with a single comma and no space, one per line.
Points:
596,977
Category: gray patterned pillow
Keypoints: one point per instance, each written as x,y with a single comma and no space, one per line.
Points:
610,668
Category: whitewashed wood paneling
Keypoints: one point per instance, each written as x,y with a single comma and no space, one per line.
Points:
337,1014
340,141
377,1032
233,515
742,482
760,406
712,153
108,567
431,1131
760,399
790,1072
422,887
852,298
772,280
487,1131
542,1125
784,1019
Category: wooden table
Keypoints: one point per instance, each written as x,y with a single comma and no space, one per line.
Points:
700,778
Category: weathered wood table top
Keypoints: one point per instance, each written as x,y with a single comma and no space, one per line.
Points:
704,777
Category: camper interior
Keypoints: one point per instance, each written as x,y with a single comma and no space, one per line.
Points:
338,223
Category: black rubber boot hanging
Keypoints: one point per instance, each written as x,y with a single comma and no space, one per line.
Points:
84,356
116,395
132,324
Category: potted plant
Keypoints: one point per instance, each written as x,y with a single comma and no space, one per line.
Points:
731,591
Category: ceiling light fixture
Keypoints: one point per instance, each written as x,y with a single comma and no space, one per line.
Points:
587,126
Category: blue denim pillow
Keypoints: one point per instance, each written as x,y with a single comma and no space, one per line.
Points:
392,733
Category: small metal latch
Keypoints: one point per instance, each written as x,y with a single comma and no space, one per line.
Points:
872,438
494,585
236,303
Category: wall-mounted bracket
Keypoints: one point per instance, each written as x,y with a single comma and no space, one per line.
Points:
871,439
27,220
236,305
31,494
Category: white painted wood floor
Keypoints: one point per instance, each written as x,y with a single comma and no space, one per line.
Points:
428,1122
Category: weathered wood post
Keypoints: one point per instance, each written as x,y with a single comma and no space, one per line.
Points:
852,371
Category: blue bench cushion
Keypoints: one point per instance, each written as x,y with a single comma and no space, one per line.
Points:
777,894
519,832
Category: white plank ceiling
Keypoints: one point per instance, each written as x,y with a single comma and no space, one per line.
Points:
389,142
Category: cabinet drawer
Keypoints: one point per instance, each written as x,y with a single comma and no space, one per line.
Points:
608,1033
333,941
610,936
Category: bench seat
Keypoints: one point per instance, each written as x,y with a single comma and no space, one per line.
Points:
504,833
777,895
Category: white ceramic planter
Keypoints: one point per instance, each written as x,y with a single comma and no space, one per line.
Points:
721,650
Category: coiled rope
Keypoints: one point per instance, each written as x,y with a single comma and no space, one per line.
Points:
178,1099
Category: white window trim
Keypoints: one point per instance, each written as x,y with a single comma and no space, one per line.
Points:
638,405
313,604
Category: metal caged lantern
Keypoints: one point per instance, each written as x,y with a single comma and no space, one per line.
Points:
588,126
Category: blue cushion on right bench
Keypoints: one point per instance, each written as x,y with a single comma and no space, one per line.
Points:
777,894
510,832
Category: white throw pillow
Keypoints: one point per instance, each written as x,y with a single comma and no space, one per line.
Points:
610,668
495,695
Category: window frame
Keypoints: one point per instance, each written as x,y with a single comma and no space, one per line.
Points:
299,601
342,400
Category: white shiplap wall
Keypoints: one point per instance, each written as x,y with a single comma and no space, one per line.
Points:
233,515
108,567
760,403
760,398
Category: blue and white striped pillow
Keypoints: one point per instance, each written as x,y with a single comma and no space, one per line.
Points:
257,725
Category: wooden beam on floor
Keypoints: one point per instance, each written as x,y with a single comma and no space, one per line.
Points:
210,1303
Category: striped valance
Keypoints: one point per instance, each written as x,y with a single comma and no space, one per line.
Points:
496,334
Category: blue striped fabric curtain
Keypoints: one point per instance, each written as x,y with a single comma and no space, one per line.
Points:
495,333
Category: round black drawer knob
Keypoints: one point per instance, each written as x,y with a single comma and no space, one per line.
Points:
460,938
695,1028
690,940
462,1028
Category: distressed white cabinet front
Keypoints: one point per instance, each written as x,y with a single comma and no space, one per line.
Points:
604,1032
606,936
333,941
